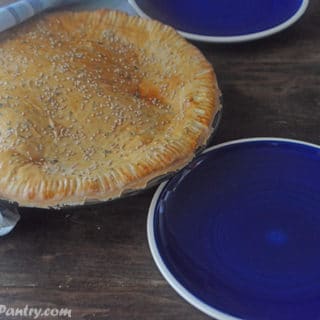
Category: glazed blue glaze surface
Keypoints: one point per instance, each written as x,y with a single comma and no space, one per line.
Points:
239,228
221,18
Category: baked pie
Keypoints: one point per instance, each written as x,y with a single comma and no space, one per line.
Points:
93,104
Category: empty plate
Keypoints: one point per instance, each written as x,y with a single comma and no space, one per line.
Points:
237,232
223,21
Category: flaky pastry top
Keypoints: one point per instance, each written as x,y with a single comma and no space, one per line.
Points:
93,104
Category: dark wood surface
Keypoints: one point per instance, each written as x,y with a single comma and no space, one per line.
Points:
95,260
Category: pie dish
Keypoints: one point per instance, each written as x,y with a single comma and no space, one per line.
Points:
93,104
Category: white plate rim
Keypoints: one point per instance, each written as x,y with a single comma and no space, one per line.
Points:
169,277
231,39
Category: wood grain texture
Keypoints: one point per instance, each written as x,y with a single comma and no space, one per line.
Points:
95,260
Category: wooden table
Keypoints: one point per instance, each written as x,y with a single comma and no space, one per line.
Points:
96,260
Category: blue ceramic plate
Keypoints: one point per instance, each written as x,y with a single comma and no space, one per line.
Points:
237,232
223,21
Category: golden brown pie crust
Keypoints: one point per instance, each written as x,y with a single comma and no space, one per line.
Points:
96,103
